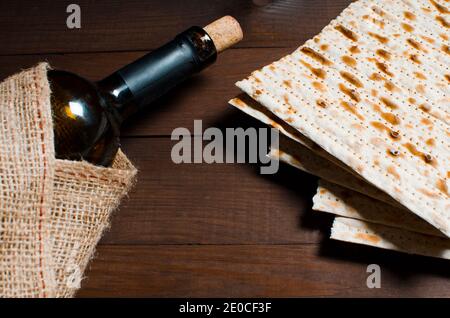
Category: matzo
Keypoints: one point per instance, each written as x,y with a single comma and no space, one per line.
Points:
373,93
295,152
258,111
366,233
334,199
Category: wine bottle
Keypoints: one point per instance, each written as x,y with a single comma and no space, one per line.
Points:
87,116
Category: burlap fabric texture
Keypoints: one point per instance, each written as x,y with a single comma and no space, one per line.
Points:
52,212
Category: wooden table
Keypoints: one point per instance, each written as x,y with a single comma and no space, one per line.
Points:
206,230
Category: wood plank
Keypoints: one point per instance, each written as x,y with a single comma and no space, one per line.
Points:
28,26
331,269
203,97
213,203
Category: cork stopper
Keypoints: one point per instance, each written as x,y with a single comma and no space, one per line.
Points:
224,32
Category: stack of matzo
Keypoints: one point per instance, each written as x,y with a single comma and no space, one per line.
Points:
365,106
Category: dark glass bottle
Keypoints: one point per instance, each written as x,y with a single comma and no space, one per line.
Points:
87,116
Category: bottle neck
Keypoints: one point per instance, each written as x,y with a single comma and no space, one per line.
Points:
143,81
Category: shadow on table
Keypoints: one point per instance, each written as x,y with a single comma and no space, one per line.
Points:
291,179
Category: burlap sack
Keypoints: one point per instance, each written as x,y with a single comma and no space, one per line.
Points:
52,212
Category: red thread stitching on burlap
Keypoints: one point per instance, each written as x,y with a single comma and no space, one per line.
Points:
41,210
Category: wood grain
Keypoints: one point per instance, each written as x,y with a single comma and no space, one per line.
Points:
30,27
331,269
213,203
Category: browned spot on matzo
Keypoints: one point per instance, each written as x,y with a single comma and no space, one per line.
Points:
351,78
354,49
353,94
376,77
390,86
426,121
421,89
384,68
287,83
352,109
391,170
380,38
407,27
350,61
239,103
439,7
347,33
409,15
378,11
382,127
446,49
315,55
386,101
321,103
391,118
425,157
420,75
415,58
368,237
425,107
320,73
429,193
384,54
319,86
428,39
442,21
375,21
416,45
